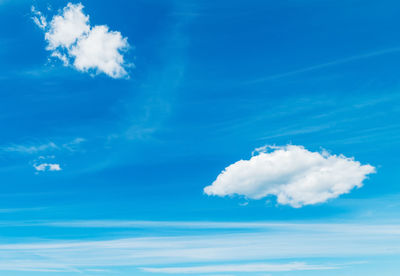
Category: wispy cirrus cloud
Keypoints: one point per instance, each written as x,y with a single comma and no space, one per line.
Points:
71,39
355,228
252,250
327,64
30,149
35,148
240,268
19,210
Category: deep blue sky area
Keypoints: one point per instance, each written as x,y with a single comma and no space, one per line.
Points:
206,83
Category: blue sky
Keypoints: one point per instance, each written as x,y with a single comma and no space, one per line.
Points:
110,139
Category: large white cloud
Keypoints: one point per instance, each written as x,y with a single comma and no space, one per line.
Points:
72,39
296,176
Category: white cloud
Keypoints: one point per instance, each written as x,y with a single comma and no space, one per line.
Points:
296,176
47,167
87,48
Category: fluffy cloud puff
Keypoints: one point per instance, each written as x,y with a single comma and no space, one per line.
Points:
296,176
72,39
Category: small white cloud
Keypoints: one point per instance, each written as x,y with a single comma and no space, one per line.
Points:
87,48
47,167
46,164
296,176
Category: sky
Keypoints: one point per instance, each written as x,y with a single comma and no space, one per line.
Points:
205,138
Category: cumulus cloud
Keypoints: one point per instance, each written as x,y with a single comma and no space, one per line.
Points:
296,176
72,39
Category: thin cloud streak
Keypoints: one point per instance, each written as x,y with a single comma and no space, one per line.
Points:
327,64
255,267
355,228
18,210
